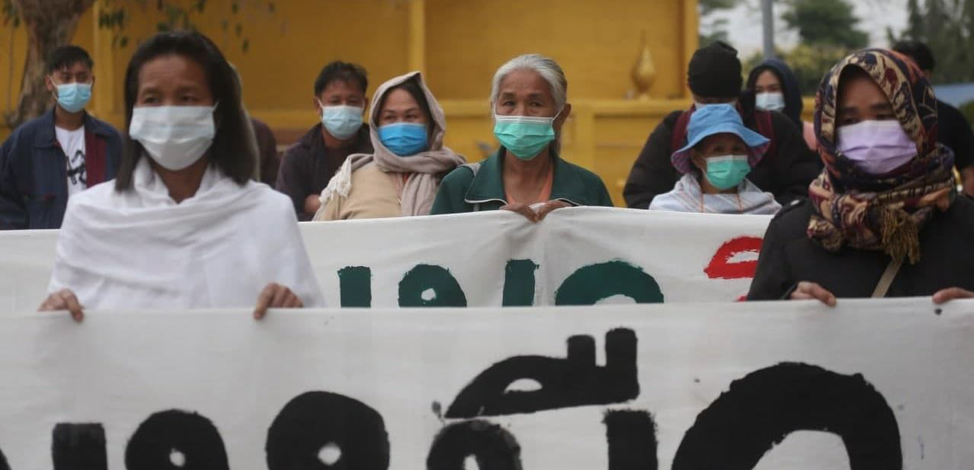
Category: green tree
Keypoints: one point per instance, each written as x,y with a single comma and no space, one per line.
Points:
825,23
947,26
808,62
52,23
716,27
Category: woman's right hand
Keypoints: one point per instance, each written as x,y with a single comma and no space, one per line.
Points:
536,215
523,209
63,299
813,291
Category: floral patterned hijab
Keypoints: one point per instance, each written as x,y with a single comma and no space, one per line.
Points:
886,212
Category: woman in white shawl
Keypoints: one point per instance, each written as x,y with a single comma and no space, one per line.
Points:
182,226
719,154
401,178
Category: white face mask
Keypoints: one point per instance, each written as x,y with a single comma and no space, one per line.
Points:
174,136
772,101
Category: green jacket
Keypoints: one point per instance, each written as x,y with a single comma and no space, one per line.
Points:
464,191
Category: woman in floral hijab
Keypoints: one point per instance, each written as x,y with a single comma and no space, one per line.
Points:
883,218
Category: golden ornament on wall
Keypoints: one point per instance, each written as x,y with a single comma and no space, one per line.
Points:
643,71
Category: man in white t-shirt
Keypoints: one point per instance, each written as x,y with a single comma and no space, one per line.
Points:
73,145
65,151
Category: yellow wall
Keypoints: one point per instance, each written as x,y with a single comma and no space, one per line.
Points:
457,43
596,42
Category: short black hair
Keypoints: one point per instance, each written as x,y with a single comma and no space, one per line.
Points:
344,71
229,151
918,51
66,56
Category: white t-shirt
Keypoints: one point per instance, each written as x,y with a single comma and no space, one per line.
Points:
73,144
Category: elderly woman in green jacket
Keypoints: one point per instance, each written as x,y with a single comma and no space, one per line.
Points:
529,102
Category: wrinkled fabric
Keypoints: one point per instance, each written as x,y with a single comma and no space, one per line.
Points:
218,248
864,211
420,188
687,196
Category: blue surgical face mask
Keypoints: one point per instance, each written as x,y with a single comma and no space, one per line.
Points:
524,136
73,97
727,171
404,138
343,122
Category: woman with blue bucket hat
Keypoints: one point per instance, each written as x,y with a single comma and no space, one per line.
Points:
719,154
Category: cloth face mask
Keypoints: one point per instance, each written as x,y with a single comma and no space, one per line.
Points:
524,136
876,147
72,97
774,101
341,121
726,172
404,138
174,136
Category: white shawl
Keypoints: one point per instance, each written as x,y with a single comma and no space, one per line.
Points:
219,248
687,196
420,188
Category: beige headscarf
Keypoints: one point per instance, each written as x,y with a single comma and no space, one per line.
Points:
420,188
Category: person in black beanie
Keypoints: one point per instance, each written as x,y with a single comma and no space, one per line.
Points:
714,77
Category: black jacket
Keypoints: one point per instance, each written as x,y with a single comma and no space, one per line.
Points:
955,132
785,172
789,256
308,165
33,177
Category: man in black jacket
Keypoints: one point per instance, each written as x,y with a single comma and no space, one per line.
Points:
714,77
954,130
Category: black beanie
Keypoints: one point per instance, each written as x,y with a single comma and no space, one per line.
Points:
715,72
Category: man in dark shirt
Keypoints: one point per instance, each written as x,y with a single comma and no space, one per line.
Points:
953,131
714,77
309,164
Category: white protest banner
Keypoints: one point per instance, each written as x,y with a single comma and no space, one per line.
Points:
575,256
868,385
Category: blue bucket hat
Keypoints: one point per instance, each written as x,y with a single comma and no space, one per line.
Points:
718,119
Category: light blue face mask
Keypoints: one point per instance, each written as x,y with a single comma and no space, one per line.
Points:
404,138
342,122
73,97
727,171
524,136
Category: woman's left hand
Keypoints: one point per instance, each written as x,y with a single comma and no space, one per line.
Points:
536,215
953,293
275,296
550,206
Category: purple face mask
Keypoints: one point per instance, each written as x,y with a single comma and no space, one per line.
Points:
876,147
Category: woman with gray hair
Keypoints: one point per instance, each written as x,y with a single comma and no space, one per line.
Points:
528,99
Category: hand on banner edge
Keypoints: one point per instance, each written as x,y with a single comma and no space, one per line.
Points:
275,296
522,209
63,300
953,293
550,206
812,291
535,216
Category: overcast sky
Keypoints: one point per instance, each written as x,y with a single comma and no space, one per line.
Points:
744,23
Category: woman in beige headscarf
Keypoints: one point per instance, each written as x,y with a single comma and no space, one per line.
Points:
402,176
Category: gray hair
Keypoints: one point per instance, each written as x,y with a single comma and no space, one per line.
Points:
549,70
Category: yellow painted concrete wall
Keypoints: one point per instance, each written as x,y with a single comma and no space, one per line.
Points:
458,44
596,42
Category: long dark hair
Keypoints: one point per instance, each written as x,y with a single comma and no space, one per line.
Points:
229,151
